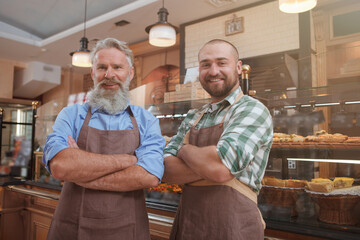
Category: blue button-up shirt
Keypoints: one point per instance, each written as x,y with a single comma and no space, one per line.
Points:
70,120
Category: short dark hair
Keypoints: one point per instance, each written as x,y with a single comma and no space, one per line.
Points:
214,41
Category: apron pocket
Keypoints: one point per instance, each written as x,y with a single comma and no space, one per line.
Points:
106,229
104,205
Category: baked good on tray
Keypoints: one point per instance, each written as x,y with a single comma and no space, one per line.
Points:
320,186
327,185
320,180
353,140
295,183
275,182
319,137
289,183
343,182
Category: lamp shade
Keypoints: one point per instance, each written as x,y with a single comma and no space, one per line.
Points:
296,6
162,35
81,59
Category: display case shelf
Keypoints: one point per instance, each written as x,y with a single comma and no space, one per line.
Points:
304,112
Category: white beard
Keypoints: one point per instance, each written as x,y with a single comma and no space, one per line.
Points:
110,101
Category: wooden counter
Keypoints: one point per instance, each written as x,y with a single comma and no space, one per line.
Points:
26,212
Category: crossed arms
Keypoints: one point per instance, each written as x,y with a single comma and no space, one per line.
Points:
193,163
116,172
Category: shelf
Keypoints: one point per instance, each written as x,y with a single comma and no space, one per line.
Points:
344,75
313,97
316,145
341,94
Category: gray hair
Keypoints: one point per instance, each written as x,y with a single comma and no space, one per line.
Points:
113,43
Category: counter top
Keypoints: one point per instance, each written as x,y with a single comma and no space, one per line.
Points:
43,185
10,180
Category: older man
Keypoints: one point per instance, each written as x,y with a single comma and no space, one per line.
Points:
220,153
107,152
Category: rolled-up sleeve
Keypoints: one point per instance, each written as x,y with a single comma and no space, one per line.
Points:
152,143
58,139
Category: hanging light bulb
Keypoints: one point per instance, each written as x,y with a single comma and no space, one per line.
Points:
296,6
162,33
81,57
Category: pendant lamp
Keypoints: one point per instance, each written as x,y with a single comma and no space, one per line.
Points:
296,6
81,57
162,33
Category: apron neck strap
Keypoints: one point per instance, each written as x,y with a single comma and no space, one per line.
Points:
133,120
87,118
238,97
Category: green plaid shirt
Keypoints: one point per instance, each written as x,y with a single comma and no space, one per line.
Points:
246,141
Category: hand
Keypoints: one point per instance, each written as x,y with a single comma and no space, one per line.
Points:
72,143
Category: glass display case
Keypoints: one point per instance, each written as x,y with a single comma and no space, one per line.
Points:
316,138
47,114
17,128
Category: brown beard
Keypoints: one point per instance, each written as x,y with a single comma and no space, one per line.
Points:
223,92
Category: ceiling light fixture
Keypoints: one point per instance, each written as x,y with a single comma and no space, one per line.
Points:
296,6
162,33
81,57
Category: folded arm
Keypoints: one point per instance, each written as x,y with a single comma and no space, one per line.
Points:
205,162
129,179
75,165
176,171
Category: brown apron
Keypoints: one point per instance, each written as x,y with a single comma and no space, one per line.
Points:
210,210
93,214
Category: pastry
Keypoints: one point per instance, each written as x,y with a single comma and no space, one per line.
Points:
332,137
343,182
353,140
263,181
321,132
283,137
294,183
324,138
275,182
298,138
321,180
338,137
280,135
276,139
311,138
320,186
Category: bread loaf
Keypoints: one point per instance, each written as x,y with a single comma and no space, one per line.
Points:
295,183
320,180
320,186
343,182
272,181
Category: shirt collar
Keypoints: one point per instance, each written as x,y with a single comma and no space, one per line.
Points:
232,96
228,100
